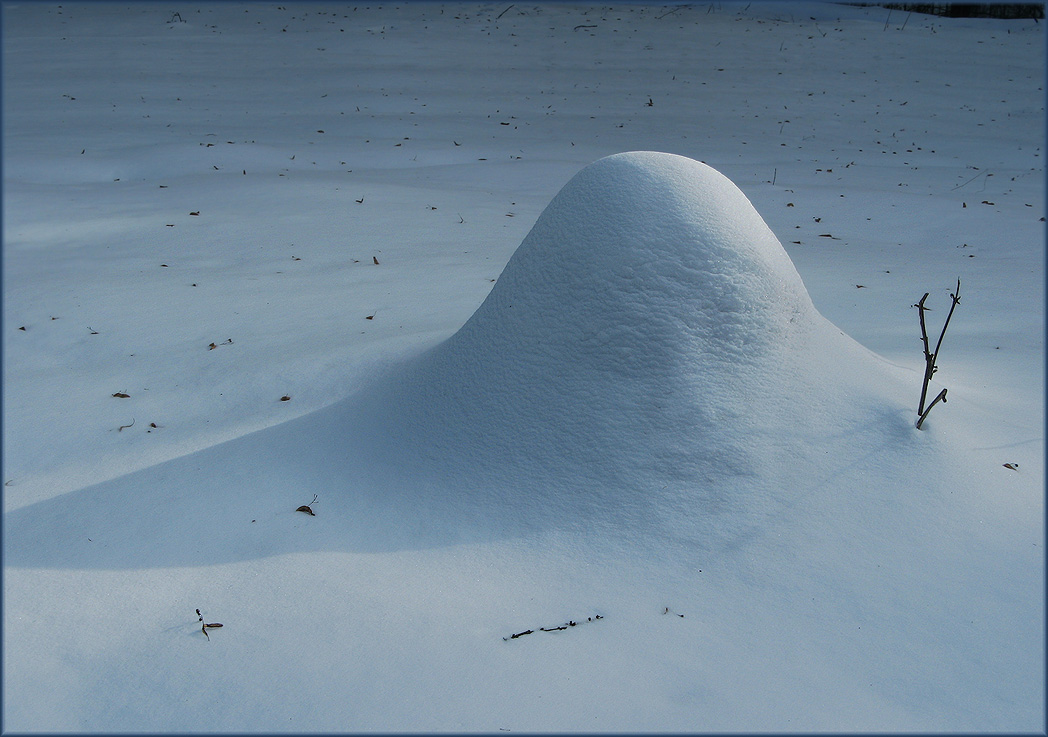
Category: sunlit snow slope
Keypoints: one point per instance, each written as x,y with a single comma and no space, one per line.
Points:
649,350
649,359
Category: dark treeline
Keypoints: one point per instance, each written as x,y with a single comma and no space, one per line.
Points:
973,10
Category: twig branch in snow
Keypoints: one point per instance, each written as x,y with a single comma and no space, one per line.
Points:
566,625
940,397
968,181
930,357
204,627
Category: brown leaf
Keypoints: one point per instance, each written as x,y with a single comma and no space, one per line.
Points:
1013,466
285,398
122,395
375,259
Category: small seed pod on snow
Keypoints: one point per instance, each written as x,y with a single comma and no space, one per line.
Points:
305,507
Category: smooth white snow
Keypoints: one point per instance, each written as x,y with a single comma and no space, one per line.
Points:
531,379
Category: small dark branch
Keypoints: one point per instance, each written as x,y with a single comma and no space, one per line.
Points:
982,173
503,13
956,299
928,365
578,27
566,625
931,357
205,626
941,397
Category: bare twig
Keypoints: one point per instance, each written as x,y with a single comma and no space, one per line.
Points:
941,397
566,625
928,365
962,184
955,296
205,627
930,357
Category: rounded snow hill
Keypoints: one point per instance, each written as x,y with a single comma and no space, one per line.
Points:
648,370
649,349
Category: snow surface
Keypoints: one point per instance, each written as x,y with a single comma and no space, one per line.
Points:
645,419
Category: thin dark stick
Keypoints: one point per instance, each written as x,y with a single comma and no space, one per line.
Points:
203,627
956,297
931,358
928,365
941,396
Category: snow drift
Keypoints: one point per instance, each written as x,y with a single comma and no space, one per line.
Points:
649,349
648,365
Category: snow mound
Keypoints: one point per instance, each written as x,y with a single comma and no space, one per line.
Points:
650,336
648,370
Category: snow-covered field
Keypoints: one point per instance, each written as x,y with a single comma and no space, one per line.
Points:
240,241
